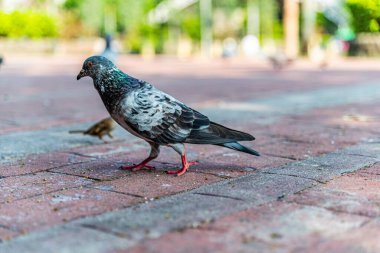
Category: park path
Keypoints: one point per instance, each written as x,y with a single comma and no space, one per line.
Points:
314,189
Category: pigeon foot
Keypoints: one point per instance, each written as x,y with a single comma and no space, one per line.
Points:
139,166
185,166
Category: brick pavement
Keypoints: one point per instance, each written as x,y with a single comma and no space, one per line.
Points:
313,190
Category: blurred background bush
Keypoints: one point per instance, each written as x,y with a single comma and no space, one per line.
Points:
27,24
194,27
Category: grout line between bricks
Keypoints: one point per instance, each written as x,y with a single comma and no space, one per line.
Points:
76,175
49,169
104,230
211,174
281,156
43,193
290,175
107,190
218,196
362,155
8,228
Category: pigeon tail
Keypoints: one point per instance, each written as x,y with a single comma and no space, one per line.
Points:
217,134
229,133
238,147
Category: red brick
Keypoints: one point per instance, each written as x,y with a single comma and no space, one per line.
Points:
375,169
356,193
153,184
103,169
13,188
7,234
362,239
358,183
59,207
40,162
68,159
273,227
234,164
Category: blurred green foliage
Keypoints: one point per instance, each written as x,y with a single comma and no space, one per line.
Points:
27,24
190,23
325,25
365,14
128,20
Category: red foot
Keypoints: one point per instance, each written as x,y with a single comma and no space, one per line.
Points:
138,166
185,166
178,172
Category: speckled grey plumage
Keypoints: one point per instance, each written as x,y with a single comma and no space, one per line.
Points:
153,115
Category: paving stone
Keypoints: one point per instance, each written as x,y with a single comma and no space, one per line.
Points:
191,209
13,188
112,148
370,149
328,166
362,239
237,161
47,210
194,207
375,169
274,227
101,169
257,186
7,234
354,193
295,150
40,162
156,184
16,146
67,239
70,160
276,107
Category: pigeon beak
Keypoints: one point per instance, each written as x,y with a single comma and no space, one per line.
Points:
81,74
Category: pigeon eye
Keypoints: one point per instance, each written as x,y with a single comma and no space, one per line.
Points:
90,64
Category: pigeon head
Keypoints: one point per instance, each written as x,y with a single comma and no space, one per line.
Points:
95,66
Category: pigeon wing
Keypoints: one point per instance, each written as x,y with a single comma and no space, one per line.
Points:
160,118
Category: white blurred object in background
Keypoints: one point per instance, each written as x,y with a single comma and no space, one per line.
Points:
229,47
250,45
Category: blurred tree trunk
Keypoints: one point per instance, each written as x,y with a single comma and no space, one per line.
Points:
206,27
309,9
253,18
291,27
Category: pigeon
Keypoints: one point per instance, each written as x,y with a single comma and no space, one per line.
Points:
101,128
279,61
108,52
156,117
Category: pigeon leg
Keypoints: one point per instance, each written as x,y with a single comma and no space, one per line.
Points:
180,149
155,150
